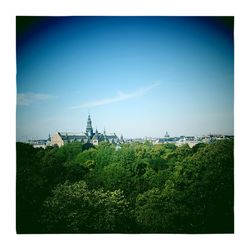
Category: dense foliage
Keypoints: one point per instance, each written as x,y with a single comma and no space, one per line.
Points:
140,188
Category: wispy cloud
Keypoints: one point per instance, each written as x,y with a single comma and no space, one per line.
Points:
121,96
26,99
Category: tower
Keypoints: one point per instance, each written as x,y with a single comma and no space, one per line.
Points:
122,140
166,135
89,129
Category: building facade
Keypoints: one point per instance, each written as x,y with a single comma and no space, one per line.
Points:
89,136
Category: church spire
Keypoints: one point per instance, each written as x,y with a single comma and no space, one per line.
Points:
122,140
89,129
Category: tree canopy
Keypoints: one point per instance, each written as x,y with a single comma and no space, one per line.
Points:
140,188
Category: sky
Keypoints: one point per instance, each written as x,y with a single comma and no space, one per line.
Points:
136,76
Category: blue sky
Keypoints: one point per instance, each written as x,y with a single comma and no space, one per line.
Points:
139,76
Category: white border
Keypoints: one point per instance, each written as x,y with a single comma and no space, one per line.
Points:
239,9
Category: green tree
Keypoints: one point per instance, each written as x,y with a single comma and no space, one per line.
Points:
73,208
80,188
70,151
30,189
197,197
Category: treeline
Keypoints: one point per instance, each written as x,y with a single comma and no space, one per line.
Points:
140,188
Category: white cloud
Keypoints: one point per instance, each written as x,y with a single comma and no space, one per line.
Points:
121,96
25,99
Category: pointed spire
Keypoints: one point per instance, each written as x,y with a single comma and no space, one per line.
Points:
89,129
104,135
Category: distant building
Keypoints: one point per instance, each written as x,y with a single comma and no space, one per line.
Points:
166,135
62,138
89,136
38,143
89,129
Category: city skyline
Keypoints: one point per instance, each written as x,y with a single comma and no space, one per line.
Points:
105,131
136,76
